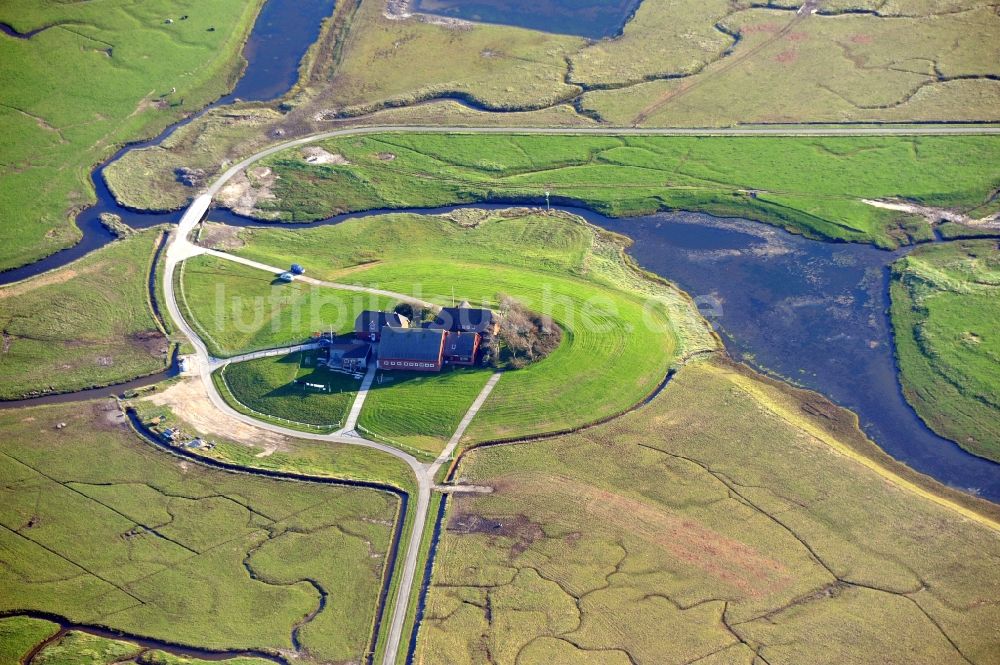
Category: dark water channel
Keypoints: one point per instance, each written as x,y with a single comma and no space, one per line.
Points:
283,32
812,312
586,18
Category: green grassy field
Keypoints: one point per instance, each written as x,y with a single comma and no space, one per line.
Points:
268,386
677,62
98,526
420,410
18,635
731,520
382,60
946,317
237,309
613,317
809,185
88,324
103,74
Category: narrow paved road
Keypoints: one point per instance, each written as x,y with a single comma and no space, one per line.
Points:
316,282
464,425
180,248
263,353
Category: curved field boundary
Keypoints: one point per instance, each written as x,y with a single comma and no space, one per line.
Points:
882,470
180,248
179,650
393,551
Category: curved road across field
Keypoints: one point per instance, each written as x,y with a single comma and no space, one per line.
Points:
180,248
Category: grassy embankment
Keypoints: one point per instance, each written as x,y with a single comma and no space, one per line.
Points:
87,324
613,317
103,74
99,527
268,386
420,411
732,516
946,319
813,186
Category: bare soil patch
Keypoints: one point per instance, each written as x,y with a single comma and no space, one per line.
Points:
152,342
316,155
188,400
936,215
246,189
523,531
221,237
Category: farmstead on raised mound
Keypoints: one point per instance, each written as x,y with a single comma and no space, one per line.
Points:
455,337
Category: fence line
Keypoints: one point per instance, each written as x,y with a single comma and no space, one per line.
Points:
268,416
397,444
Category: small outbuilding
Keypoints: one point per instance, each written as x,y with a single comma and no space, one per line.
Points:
349,355
460,348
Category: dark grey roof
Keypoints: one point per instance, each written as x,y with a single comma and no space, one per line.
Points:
465,319
411,344
353,349
372,322
459,344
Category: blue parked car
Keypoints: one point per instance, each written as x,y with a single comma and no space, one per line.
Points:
298,269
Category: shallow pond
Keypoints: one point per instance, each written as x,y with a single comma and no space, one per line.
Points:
587,18
812,312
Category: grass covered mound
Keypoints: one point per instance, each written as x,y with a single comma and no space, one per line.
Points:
418,411
100,527
276,386
814,186
95,76
87,324
946,318
237,309
732,516
622,330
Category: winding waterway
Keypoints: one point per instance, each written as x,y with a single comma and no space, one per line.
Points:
282,33
809,311
812,312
